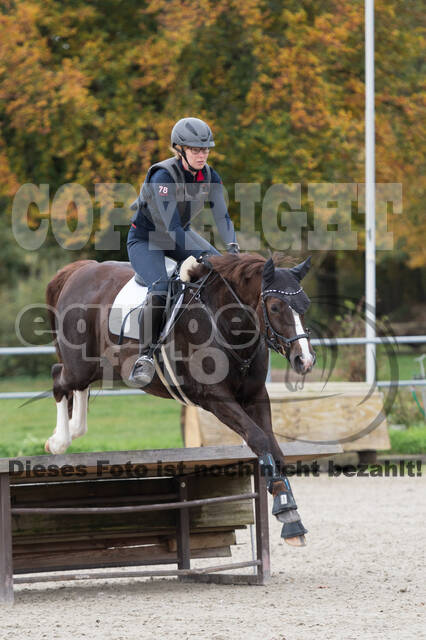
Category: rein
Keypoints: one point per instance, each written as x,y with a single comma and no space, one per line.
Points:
245,363
271,336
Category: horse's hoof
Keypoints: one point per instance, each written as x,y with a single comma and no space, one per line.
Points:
298,541
293,531
46,447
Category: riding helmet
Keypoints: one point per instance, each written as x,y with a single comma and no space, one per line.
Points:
192,132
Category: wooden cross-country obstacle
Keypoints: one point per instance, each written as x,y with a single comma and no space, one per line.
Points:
71,513
350,412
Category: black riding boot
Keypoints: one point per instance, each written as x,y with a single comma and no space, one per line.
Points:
149,331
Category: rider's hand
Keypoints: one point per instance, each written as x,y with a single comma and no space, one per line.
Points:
233,248
203,259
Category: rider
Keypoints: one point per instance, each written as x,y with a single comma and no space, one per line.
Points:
174,191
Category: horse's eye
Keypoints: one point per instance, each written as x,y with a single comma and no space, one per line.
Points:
275,308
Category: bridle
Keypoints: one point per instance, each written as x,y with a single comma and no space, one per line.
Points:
272,341
272,337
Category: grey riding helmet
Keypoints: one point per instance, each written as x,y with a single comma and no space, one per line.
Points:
192,132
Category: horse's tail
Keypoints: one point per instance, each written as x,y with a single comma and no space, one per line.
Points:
56,285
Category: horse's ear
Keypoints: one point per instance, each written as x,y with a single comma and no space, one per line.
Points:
301,269
268,272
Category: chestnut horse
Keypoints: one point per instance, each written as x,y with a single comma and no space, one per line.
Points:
234,308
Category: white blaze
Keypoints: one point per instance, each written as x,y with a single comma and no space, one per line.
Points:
303,342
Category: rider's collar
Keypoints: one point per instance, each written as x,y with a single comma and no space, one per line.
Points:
189,177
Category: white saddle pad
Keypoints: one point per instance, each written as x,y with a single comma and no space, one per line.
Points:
129,300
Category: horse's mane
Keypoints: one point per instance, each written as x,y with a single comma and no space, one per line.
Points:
243,267
235,269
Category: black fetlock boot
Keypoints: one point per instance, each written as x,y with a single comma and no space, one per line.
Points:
150,325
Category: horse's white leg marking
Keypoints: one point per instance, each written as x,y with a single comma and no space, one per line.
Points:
78,422
306,356
61,439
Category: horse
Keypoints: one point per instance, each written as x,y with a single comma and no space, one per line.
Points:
234,308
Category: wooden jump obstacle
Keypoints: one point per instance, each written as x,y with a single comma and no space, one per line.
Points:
316,413
71,513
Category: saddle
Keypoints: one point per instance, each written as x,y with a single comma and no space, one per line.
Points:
125,310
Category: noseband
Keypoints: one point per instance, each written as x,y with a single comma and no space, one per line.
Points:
273,338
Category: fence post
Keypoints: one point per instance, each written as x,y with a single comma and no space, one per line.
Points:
6,565
262,525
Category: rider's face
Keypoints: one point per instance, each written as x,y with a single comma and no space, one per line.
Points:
197,156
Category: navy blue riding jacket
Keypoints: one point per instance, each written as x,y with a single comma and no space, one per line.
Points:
161,223
172,220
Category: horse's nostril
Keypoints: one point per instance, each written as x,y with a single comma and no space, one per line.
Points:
302,364
298,362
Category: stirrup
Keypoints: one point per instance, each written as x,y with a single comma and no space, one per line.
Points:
143,371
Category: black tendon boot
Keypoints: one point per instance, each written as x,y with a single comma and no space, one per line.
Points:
149,331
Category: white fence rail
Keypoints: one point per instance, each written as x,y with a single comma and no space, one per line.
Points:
326,342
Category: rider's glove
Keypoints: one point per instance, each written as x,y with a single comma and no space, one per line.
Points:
204,259
233,247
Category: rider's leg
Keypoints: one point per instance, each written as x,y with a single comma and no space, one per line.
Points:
147,258
150,325
148,261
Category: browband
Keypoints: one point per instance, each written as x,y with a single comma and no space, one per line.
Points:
284,293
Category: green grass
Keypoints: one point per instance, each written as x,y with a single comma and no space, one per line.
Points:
146,422
411,441
26,383
118,423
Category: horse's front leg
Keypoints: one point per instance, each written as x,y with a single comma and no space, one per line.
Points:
231,413
284,507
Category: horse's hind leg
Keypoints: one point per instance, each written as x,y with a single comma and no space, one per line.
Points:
61,438
78,421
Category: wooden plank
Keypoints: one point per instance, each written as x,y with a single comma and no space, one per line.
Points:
51,529
222,578
314,414
29,525
206,540
87,538
137,508
157,554
85,545
6,566
339,412
137,574
196,541
85,525
98,492
181,461
213,514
